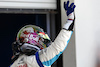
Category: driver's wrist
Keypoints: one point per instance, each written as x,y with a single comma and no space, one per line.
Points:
71,16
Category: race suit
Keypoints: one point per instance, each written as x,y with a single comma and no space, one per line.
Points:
47,56
50,54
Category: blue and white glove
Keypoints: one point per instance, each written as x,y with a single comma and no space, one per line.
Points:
70,13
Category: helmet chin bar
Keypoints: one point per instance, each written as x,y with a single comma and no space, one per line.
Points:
28,48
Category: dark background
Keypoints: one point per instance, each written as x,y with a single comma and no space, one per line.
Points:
10,24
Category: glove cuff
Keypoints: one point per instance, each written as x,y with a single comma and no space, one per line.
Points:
69,25
71,16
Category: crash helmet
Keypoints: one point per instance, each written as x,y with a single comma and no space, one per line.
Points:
33,35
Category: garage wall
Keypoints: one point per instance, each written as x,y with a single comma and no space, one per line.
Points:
87,32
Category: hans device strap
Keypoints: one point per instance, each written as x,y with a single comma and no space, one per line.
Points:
38,60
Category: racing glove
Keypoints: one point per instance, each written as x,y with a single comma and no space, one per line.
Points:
70,13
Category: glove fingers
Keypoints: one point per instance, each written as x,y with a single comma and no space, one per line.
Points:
74,7
67,3
71,6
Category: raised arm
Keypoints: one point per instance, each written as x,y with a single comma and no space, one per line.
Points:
49,55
